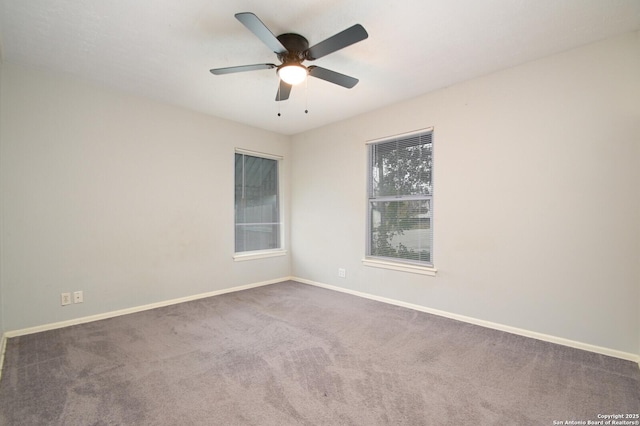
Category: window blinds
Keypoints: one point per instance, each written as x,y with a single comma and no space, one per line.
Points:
257,204
400,198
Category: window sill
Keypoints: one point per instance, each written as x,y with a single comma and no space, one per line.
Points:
241,257
398,266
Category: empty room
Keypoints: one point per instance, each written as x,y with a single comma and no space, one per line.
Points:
320,212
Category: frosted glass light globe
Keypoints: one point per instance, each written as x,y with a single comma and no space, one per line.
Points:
292,74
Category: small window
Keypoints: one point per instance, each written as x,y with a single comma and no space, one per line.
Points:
400,193
257,203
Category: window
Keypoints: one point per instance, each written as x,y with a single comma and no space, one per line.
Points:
400,195
257,203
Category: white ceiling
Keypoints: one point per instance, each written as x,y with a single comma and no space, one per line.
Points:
163,49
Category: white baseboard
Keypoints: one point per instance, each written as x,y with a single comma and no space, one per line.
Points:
488,324
105,315
3,347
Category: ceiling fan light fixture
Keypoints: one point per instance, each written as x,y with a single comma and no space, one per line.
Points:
293,73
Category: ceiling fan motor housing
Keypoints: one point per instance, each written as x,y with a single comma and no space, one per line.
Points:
297,48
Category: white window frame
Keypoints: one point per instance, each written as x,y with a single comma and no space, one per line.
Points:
266,253
396,264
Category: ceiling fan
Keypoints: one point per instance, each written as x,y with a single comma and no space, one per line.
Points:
293,49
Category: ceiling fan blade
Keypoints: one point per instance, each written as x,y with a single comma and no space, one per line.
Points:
339,41
242,68
255,25
283,91
332,77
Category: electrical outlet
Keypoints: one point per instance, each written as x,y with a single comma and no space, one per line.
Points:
65,299
77,297
342,273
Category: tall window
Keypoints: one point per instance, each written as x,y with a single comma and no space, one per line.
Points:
257,203
401,198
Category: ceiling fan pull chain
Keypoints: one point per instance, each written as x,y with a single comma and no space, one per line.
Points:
278,99
306,96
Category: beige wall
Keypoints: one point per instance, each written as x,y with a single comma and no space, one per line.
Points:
1,201
638,196
124,198
536,204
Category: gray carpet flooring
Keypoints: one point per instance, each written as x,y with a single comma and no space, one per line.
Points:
292,354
